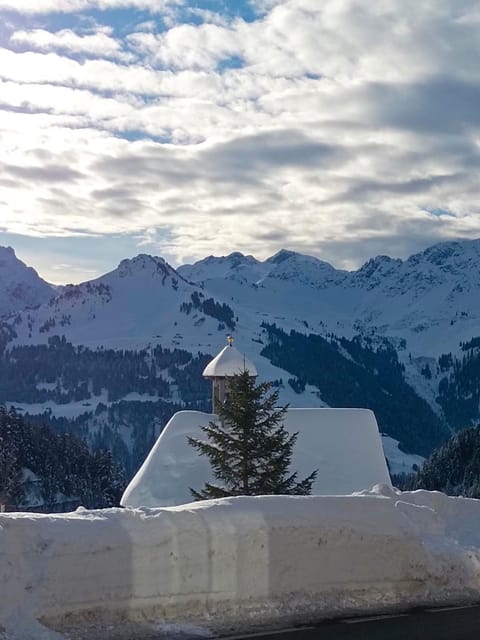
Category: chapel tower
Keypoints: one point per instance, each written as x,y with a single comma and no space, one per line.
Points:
228,363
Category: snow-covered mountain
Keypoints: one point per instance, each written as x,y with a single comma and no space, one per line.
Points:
431,299
375,329
20,286
133,305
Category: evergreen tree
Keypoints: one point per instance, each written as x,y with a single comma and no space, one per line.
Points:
62,463
454,468
10,468
249,449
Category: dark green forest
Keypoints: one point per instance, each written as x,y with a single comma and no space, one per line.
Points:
64,467
127,428
347,373
350,373
208,306
453,468
459,389
64,373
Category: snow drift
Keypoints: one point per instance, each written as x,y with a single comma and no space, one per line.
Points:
231,563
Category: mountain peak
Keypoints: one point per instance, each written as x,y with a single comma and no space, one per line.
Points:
20,286
281,256
142,260
8,259
7,251
285,255
232,258
234,265
450,256
293,267
143,264
379,263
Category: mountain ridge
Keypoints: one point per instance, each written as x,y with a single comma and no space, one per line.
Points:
403,314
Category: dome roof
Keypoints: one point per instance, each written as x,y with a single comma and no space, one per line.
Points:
227,363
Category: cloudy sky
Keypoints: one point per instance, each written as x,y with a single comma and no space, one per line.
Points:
183,128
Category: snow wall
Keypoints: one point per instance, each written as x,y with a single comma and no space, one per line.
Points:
343,444
231,563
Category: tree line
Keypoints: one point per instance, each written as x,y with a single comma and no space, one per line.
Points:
453,468
64,373
40,465
357,373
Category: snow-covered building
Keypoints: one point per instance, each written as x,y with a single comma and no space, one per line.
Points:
228,363
343,444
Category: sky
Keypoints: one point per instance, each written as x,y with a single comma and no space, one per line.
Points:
339,128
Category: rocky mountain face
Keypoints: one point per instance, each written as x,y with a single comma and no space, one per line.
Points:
112,358
20,286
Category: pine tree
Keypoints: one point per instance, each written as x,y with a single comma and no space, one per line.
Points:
249,449
11,490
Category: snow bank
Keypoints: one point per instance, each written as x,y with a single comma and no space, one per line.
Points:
232,563
343,444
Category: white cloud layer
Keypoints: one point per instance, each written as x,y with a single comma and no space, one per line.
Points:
98,44
74,6
339,128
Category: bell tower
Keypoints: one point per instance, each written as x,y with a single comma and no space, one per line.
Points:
228,363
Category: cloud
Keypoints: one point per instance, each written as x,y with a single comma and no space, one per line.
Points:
334,127
74,6
255,156
95,44
49,174
189,47
100,74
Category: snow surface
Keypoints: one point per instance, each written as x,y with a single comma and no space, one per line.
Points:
229,362
231,564
343,444
398,460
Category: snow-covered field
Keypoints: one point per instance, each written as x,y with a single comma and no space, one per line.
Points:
234,563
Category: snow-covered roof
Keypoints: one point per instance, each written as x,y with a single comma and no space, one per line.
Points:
342,444
229,362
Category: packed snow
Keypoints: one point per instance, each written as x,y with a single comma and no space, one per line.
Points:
235,564
344,445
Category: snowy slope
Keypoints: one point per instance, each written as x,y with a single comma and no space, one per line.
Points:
431,300
235,266
398,461
20,286
139,305
130,307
